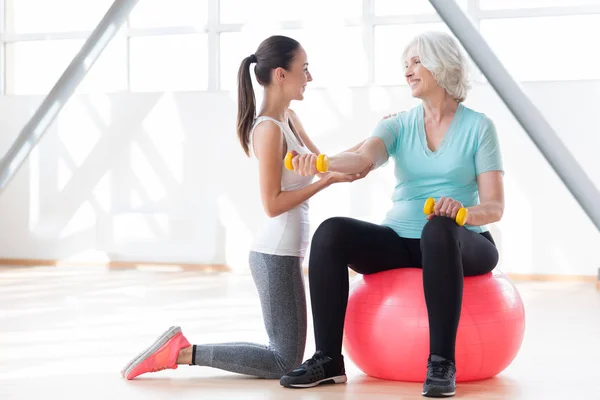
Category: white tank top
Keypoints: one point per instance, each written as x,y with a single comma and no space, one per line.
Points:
288,233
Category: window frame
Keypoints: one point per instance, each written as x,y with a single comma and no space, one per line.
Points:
214,28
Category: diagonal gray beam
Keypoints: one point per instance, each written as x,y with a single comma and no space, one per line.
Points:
530,118
64,88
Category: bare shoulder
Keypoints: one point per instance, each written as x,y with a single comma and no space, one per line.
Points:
267,127
267,135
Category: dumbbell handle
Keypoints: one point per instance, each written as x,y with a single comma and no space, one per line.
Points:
322,163
461,216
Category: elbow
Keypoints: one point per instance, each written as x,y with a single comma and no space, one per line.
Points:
272,204
360,163
272,214
496,217
367,160
499,212
271,209
364,157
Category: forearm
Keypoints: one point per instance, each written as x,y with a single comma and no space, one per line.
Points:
369,153
349,163
286,200
485,213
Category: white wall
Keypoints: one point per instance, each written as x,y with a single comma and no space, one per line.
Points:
161,177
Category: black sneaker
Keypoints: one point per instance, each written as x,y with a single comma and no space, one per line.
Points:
316,370
441,377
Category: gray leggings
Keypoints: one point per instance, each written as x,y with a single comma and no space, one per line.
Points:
280,286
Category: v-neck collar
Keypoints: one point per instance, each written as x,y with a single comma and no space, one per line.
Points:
447,136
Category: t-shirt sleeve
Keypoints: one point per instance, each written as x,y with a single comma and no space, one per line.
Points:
488,156
388,130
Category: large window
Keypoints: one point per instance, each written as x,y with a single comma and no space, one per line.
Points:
183,45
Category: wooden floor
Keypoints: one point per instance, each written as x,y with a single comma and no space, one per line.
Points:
68,332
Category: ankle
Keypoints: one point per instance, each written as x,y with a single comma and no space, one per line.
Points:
185,355
337,361
335,356
439,357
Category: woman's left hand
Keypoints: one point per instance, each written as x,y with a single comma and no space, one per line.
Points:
337,177
445,207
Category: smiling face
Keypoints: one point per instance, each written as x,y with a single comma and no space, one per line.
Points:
294,79
420,80
435,65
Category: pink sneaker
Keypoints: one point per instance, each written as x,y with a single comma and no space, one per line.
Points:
161,355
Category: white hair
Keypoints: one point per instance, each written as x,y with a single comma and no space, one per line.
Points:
441,55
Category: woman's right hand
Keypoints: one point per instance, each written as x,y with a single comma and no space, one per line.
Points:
304,164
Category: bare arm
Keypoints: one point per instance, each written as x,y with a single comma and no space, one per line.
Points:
269,145
313,148
491,195
369,152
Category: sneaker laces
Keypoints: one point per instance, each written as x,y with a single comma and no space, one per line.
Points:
440,369
318,356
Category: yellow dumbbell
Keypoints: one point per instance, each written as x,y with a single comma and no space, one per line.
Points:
322,162
461,216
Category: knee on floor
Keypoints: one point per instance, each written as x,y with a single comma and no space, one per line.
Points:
288,363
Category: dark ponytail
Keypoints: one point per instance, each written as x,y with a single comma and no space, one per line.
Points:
274,52
246,104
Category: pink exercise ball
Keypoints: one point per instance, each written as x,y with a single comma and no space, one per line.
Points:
386,330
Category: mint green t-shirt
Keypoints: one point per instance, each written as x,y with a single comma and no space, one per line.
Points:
470,147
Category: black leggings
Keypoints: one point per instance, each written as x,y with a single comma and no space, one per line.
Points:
446,252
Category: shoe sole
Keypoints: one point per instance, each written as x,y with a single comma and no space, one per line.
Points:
335,379
164,338
438,394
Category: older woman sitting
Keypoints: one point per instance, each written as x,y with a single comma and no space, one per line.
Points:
441,149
